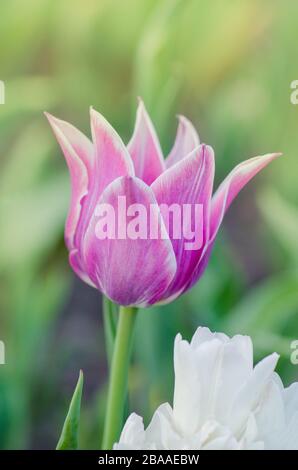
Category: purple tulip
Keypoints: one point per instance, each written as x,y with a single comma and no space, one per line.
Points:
142,272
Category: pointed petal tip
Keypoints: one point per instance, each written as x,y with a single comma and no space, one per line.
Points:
96,115
187,139
142,112
277,154
257,162
183,119
271,155
55,122
275,356
143,119
52,119
100,123
144,147
140,101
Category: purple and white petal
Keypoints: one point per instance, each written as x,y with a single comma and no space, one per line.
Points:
111,160
76,264
129,271
232,185
186,141
79,156
221,201
187,183
144,148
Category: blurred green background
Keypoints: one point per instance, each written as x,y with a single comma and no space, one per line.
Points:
227,65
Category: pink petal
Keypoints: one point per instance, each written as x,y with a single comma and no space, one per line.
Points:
129,271
112,160
190,181
75,263
144,148
223,198
186,141
78,152
232,185
111,156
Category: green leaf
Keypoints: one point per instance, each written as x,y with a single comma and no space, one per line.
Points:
69,436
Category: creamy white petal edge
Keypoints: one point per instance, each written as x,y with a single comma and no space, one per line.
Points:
221,401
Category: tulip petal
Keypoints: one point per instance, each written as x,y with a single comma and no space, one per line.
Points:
78,152
111,156
186,409
232,185
144,148
223,198
111,161
189,182
129,271
75,263
186,141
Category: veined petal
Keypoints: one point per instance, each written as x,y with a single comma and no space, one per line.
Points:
187,183
232,185
144,148
130,271
186,141
78,152
111,160
111,156
223,198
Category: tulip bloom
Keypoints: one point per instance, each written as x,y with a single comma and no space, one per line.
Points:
143,271
221,401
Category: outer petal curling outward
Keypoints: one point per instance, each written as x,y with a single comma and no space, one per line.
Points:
189,181
222,200
92,168
130,271
79,156
186,141
232,185
144,148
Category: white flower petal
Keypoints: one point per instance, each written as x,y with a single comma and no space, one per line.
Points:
220,401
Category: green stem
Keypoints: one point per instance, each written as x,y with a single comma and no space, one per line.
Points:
110,315
118,377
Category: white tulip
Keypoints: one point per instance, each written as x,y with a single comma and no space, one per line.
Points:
221,401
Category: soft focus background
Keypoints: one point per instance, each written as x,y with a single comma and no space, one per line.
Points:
225,64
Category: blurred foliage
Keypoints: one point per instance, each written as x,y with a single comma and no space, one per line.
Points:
226,65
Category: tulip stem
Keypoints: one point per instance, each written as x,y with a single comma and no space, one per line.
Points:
119,376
